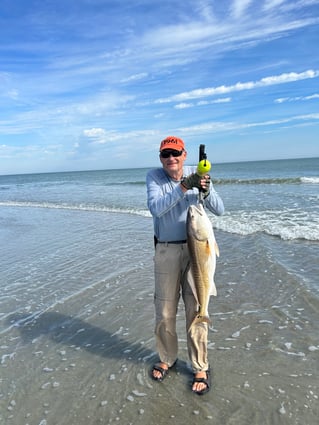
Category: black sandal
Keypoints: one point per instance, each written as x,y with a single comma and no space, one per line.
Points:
160,369
206,381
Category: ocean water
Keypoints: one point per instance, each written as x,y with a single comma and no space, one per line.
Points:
76,300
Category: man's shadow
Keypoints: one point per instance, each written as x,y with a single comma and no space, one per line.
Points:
70,331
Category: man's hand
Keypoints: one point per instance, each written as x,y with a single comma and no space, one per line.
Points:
205,182
193,180
201,182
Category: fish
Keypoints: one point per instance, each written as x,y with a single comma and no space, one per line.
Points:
203,249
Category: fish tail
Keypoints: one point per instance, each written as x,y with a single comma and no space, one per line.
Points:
200,319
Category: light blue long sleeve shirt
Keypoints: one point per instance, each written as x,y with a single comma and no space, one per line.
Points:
168,204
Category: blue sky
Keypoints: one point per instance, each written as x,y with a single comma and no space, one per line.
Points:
97,84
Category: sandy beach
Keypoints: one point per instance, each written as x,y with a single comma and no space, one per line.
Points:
86,359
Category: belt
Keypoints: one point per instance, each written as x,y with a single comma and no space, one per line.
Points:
173,242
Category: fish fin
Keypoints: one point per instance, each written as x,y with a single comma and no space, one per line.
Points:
200,319
213,290
216,249
210,243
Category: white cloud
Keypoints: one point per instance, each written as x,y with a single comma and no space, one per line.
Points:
30,151
94,132
296,98
222,100
239,7
102,136
298,4
183,105
266,81
13,94
270,4
209,102
232,126
135,77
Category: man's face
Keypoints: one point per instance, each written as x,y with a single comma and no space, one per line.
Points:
173,160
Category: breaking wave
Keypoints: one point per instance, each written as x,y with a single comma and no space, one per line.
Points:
287,225
74,207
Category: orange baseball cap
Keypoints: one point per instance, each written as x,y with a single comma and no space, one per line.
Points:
172,142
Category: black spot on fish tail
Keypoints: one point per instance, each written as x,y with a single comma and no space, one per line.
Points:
200,319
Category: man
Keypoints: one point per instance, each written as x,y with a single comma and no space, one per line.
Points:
170,191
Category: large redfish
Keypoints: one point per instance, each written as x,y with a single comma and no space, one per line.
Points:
203,249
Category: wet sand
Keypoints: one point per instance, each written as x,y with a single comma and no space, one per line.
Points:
86,359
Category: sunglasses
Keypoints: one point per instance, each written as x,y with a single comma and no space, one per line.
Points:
166,153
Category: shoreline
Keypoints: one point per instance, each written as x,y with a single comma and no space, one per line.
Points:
86,360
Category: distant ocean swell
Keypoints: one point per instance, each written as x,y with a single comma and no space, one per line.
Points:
287,224
223,181
287,180
216,181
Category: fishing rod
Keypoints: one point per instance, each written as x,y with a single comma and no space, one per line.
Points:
203,167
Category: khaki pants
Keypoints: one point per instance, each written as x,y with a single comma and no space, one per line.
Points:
171,263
